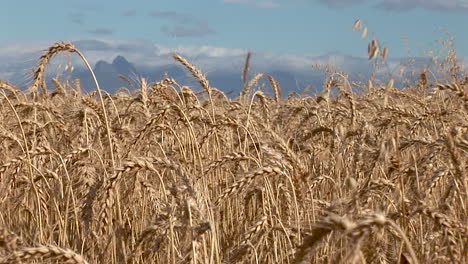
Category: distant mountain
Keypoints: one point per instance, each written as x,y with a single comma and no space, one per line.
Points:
222,66
228,81
224,79
122,66
107,75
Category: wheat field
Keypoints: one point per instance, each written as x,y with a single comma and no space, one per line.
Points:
168,174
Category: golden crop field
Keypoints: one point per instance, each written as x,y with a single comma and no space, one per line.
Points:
165,174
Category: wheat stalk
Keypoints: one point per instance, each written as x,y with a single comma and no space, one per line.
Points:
45,252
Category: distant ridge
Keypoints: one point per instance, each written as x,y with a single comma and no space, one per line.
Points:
108,74
228,81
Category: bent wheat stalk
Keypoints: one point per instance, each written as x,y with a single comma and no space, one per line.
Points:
39,80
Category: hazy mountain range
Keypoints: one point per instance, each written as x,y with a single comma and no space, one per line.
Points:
228,81
222,66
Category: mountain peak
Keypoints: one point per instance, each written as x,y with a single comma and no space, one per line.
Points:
103,66
120,60
122,66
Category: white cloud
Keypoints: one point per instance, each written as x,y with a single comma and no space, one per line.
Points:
129,13
429,4
17,58
101,31
447,5
256,3
340,3
210,51
182,25
454,5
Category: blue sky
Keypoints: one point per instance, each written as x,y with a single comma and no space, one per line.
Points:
296,26
309,27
